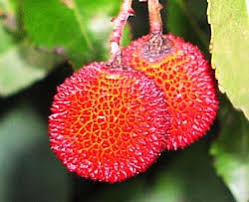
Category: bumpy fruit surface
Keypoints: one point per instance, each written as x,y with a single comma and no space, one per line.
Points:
108,124
180,69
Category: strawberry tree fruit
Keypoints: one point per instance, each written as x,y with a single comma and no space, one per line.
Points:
186,78
108,123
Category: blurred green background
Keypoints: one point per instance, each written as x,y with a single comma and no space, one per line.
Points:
40,42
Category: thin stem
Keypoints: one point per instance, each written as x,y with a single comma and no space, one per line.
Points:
119,23
155,17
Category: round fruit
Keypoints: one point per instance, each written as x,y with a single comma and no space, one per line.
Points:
108,123
185,76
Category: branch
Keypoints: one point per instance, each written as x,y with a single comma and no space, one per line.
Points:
155,17
117,33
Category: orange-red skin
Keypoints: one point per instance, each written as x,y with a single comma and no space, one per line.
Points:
188,83
108,124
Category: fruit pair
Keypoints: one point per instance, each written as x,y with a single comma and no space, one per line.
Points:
111,122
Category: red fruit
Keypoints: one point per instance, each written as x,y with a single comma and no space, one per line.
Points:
108,124
180,69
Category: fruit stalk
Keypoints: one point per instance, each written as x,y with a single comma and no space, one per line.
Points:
119,23
154,8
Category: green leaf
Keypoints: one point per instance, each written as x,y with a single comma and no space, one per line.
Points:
21,64
182,21
29,171
231,152
81,27
229,22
